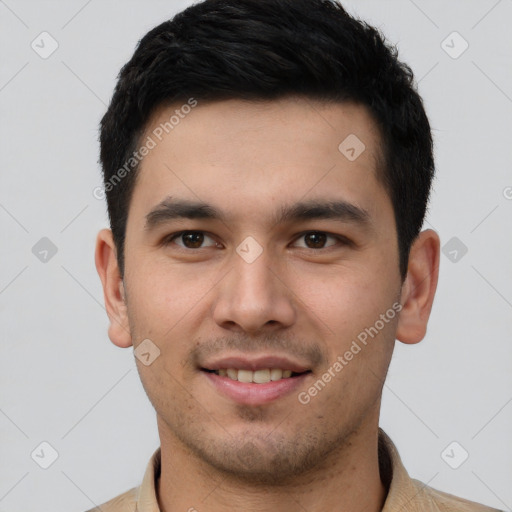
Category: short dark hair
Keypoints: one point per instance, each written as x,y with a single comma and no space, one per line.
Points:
266,50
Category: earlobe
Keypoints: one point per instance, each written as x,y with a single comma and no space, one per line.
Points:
113,289
419,287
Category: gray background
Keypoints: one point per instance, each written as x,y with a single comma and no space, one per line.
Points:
62,380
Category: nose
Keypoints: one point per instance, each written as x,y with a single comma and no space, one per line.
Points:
253,297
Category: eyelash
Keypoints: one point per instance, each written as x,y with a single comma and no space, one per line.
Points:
343,240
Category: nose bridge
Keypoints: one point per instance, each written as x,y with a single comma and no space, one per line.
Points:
252,295
254,278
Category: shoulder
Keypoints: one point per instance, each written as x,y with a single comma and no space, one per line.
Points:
123,503
445,502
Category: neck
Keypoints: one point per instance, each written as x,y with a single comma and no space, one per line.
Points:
348,480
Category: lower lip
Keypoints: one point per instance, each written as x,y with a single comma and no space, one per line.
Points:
249,393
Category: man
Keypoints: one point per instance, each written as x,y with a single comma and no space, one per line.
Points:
267,165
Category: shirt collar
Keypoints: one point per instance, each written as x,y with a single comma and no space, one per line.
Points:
404,494
146,492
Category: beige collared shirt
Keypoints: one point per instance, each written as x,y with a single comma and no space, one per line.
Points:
405,494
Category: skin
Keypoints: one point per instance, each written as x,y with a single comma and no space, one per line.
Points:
310,302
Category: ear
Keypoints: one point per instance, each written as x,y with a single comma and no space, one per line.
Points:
419,287
113,289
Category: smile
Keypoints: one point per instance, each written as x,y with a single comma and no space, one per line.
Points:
248,387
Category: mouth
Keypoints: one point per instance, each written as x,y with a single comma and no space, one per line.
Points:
261,376
254,388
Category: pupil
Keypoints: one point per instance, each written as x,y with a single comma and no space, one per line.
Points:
317,239
193,240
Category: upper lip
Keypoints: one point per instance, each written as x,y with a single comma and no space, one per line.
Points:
255,363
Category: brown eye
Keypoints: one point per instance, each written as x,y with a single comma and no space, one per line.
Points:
190,240
316,240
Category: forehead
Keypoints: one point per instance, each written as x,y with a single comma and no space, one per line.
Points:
319,124
244,155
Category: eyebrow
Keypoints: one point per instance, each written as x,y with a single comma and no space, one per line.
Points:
171,209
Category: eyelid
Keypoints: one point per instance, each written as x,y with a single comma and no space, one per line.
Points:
167,240
340,238
173,236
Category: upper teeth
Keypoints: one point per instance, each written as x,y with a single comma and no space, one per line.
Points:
259,376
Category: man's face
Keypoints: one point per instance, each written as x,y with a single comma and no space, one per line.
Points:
252,285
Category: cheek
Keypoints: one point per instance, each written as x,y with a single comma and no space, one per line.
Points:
345,298
167,292
162,387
